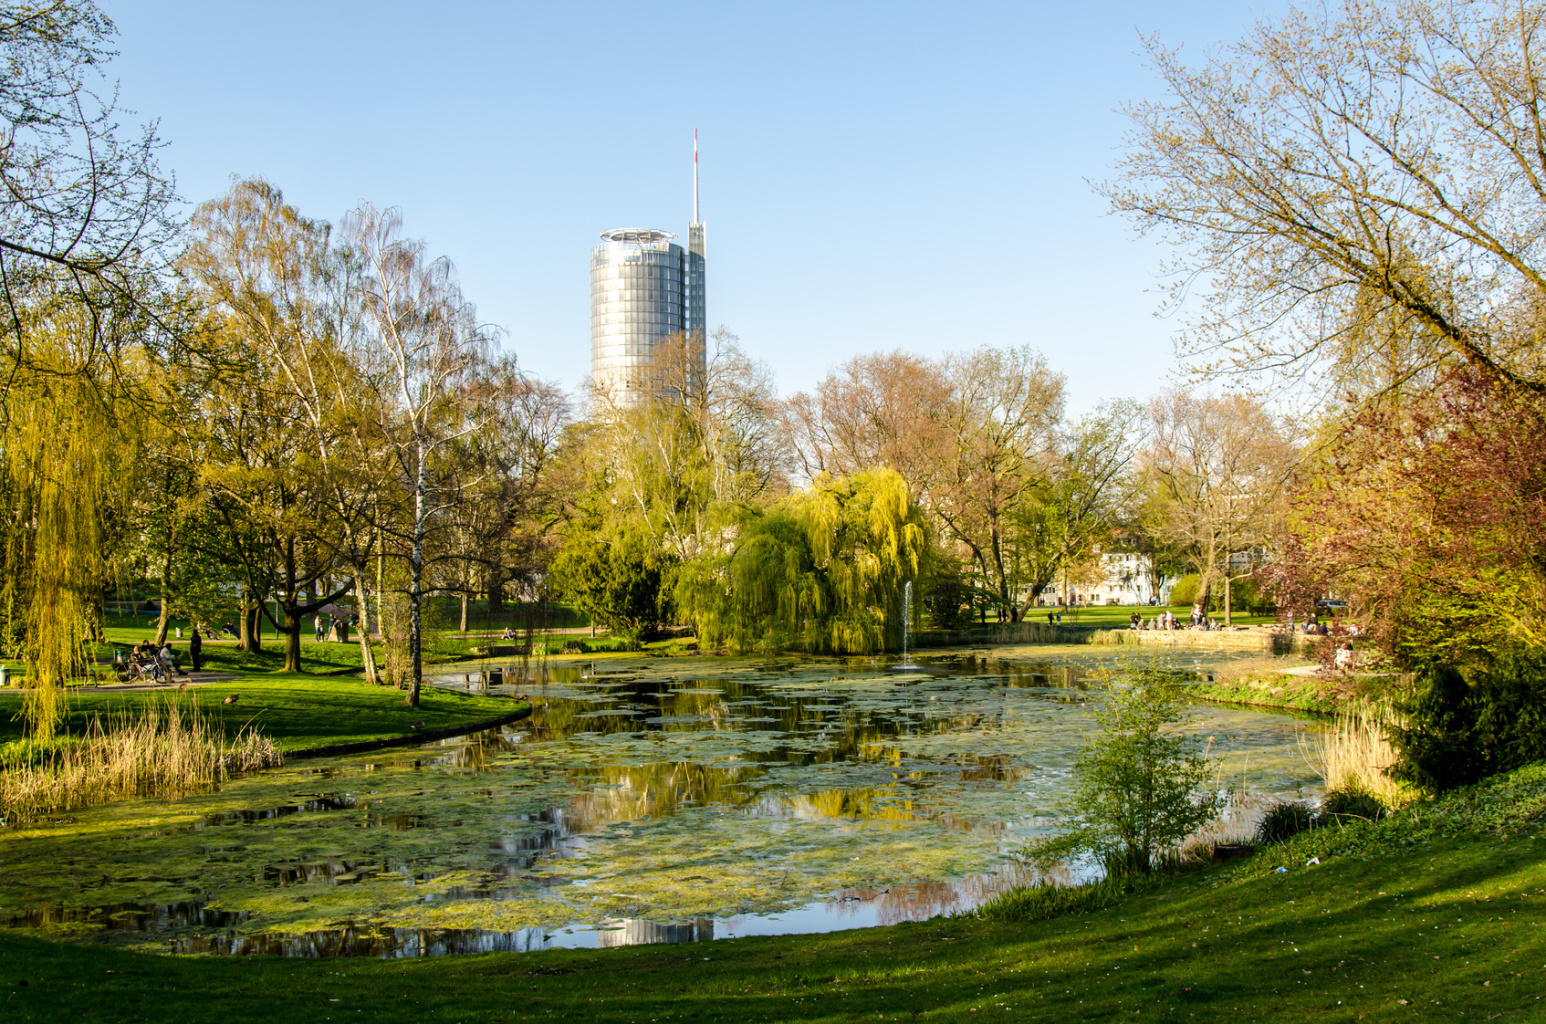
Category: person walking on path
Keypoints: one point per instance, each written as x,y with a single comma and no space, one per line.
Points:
195,648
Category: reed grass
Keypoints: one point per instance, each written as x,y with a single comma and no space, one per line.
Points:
1353,754
167,747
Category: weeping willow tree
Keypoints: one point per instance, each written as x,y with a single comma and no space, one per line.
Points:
57,475
823,571
83,229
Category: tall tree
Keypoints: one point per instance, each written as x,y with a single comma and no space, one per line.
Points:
269,275
1004,407
967,433
1352,176
883,409
1219,469
427,360
1079,496
82,226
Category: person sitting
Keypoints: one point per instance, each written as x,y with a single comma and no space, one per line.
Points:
1323,629
230,631
1345,656
508,634
168,659
1133,620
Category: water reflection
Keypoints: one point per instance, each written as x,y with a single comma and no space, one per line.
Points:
650,802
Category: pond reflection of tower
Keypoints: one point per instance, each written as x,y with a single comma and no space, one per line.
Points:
638,932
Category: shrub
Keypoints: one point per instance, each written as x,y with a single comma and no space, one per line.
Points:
1511,722
1139,790
1283,821
1339,804
1465,727
1437,748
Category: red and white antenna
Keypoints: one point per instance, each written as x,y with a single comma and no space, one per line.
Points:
695,176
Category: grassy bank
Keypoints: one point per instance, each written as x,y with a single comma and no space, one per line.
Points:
296,711
1292,693
1267,683
1441,911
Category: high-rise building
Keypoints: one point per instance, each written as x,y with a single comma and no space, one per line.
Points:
645,289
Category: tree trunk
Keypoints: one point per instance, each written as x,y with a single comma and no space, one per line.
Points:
463,628
496,593
367,656
381,588
415,591
251,629
165,619
292,636
96,621
1229,609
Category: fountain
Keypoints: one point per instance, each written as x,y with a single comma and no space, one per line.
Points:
907,627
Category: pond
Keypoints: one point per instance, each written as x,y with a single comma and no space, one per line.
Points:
644,800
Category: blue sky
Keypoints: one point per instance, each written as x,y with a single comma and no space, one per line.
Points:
875,176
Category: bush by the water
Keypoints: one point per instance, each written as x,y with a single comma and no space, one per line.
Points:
1139,791
1339,804
1465,726
1283,821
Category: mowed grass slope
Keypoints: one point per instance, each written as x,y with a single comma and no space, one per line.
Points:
297,711
1437,914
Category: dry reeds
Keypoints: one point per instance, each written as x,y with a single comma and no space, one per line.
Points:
167,748
1353,753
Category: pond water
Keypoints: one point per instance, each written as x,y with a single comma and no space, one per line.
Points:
645,800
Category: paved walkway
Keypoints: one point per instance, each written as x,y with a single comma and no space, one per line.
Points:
202,678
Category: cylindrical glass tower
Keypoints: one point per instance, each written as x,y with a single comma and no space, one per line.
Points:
636,300
644,288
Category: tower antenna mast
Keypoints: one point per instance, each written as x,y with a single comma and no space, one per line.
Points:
695,219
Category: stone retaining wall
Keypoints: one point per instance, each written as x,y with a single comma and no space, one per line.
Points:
1266,641
1262,639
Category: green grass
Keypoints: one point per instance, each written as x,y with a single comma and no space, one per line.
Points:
442,614
1291,693
326,657
298,711
1262,683
1439,912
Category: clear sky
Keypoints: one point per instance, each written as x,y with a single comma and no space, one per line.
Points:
875,176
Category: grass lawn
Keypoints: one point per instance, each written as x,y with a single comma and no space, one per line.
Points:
1440,912
298,711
